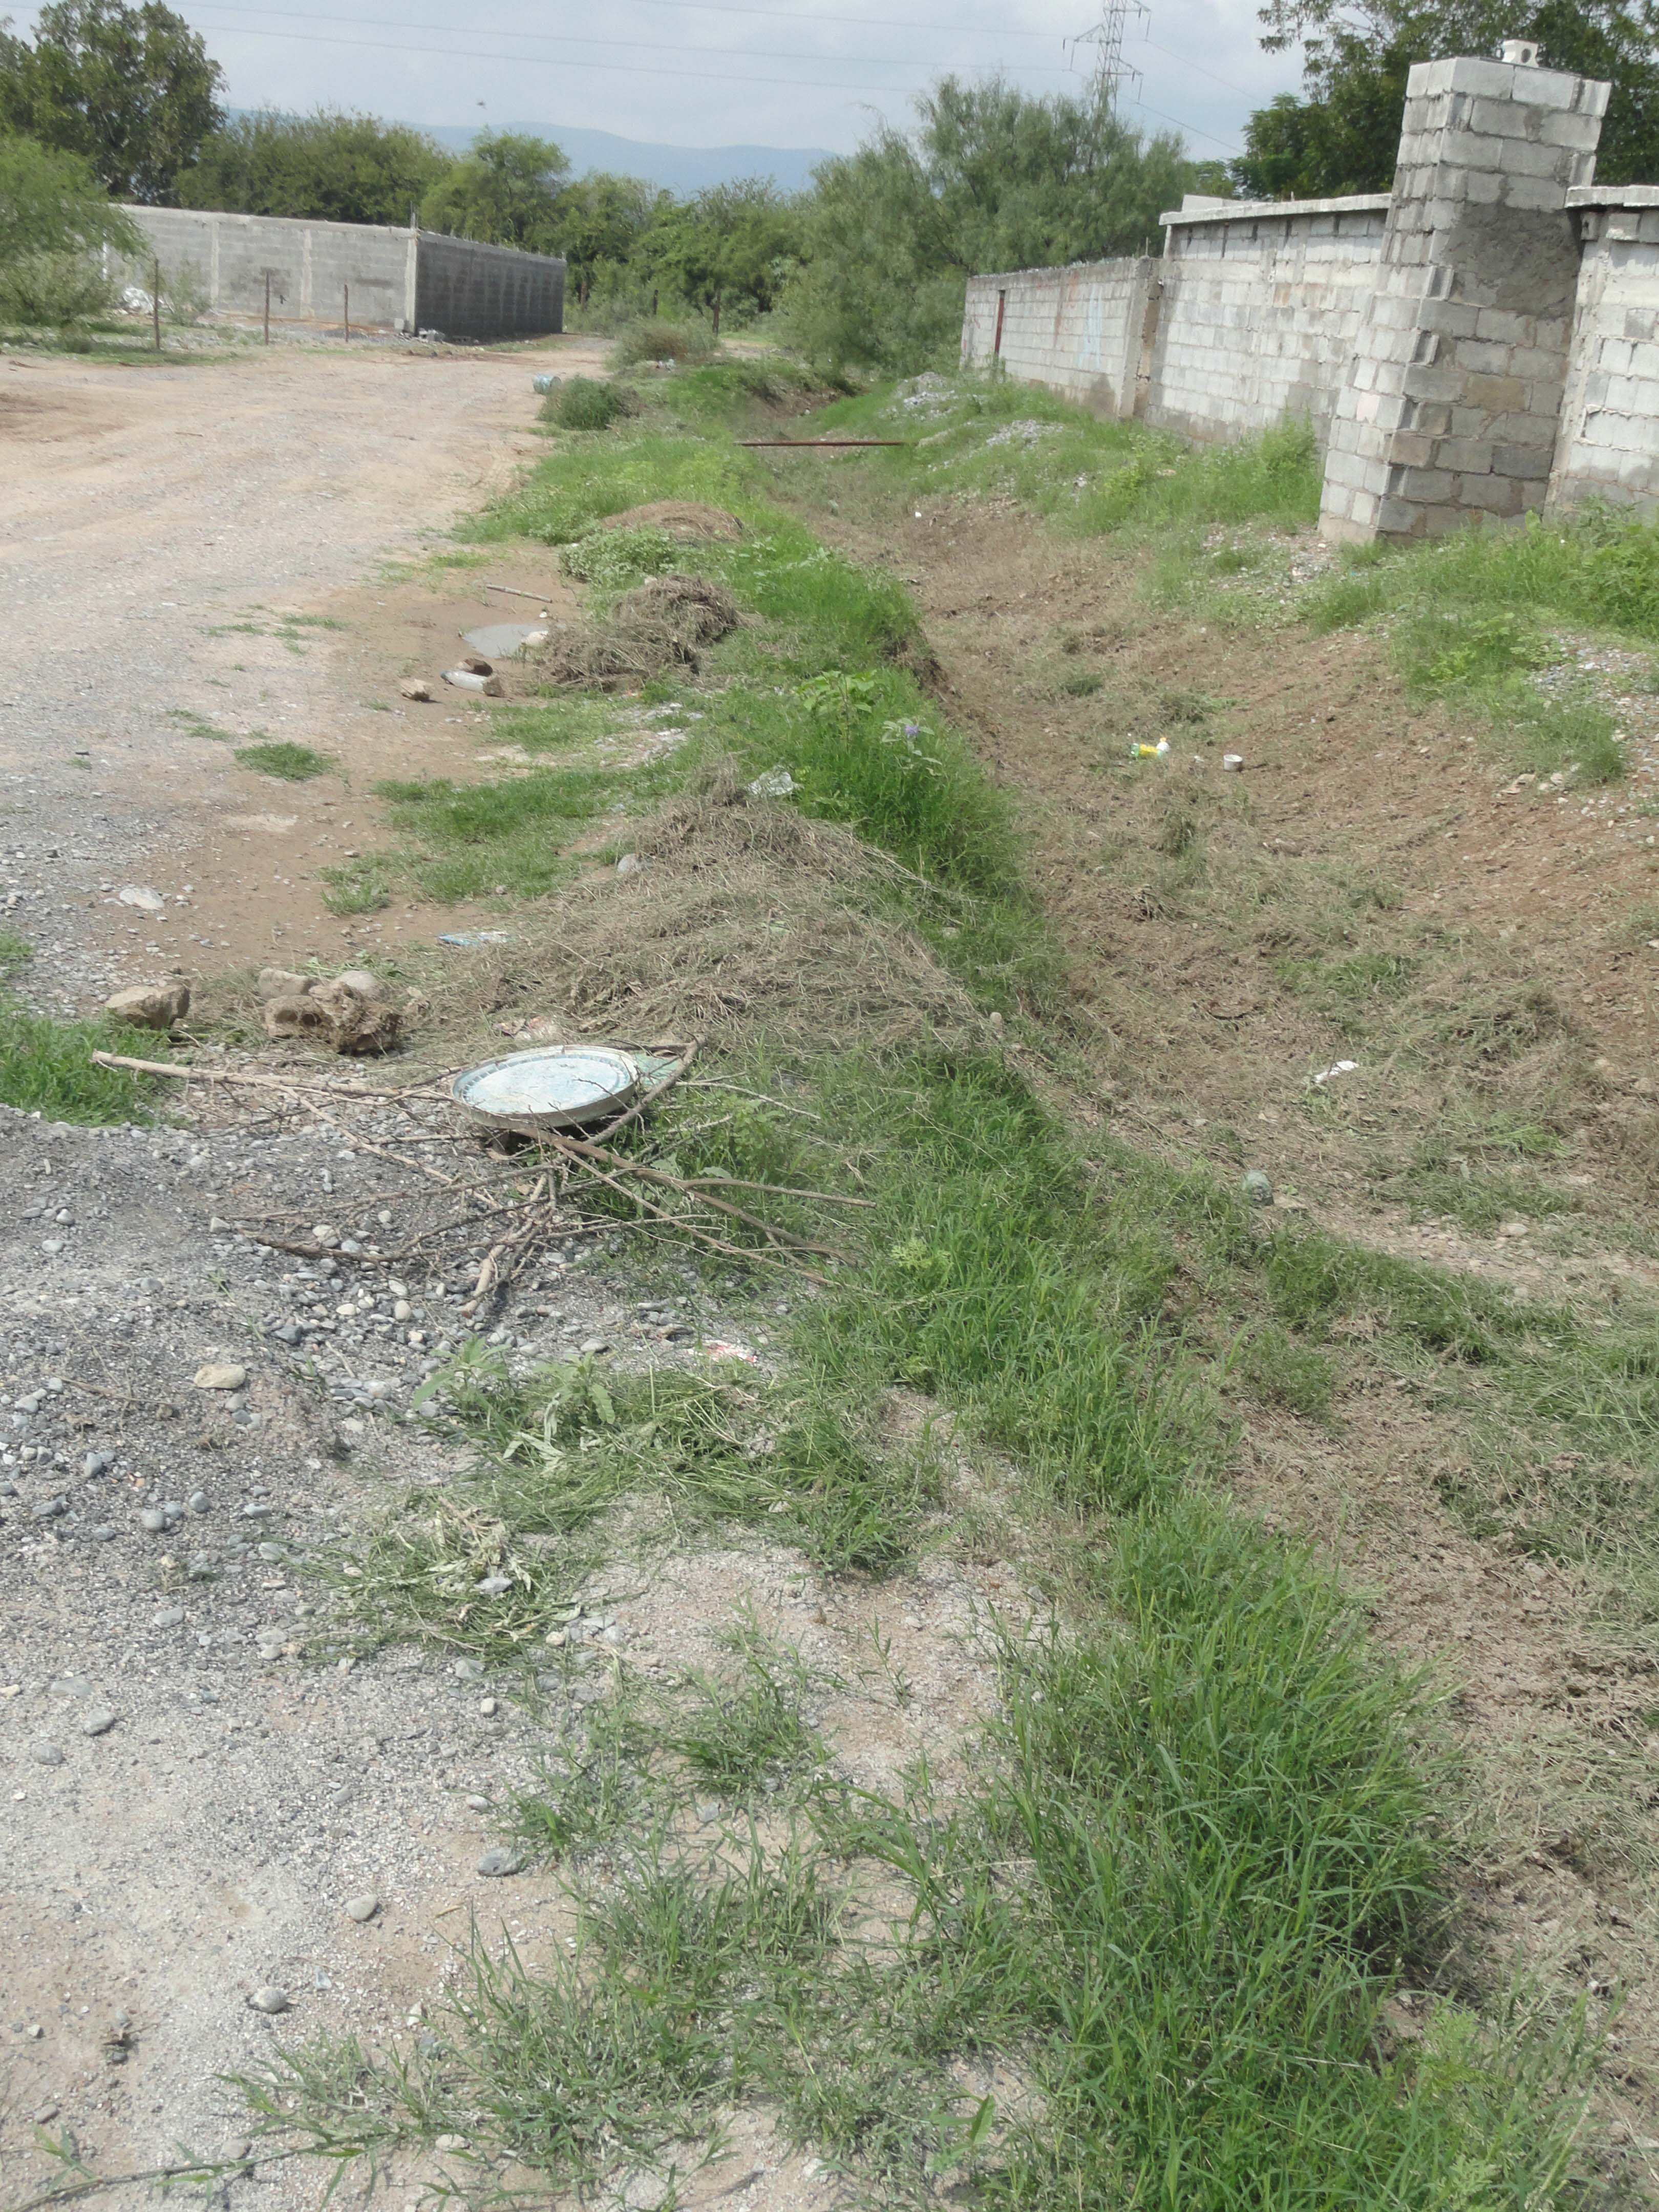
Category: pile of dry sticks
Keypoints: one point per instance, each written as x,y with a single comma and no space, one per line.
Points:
524,1199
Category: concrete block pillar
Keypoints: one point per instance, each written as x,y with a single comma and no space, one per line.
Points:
1449,407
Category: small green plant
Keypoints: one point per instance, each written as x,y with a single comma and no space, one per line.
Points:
585,404
46,1066
287,762
613,558
686,344
741,1729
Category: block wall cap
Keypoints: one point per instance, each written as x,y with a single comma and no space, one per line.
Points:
1614,195
1273,210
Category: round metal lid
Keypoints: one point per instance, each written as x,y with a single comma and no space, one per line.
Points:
553,1087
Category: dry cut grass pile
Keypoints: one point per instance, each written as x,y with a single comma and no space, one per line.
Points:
744,920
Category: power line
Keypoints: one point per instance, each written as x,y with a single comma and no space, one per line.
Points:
563,38
559,61
776,15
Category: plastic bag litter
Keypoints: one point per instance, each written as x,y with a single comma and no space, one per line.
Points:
1150,752
776,783
545,384
1336,1067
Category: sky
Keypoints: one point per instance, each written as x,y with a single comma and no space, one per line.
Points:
695,73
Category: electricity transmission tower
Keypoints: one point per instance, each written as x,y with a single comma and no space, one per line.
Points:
1110,69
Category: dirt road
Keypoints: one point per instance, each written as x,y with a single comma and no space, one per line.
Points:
159,528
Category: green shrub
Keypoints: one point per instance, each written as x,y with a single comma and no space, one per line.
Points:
54,291
585,404
682,343
611,558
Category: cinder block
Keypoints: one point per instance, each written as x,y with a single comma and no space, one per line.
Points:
1525,461
1485,359
1493,495
1466,456
1533,192
1398,518
1502,327
1422,485
1501,394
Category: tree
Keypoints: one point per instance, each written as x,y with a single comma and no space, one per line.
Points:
599,221
1344,134
733,245
328,166
130,89
53,204
504,193
991,178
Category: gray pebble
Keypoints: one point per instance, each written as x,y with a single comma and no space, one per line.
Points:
168,1617
362,1908
46,1755
199,1501
468,1670
100,1721
269,2000
501,1860
103,1534
50,1509
95,1463
153,1519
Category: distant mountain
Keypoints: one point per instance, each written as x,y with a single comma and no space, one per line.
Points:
679,168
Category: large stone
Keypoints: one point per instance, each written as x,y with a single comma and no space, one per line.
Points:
149,1006
218,1375
280,983
336,1014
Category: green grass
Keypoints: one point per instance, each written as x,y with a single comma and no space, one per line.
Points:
1132,479
46,1066
287,762
612,559
1205,1840
584,403
687,344
1468,618
479,840
563,1448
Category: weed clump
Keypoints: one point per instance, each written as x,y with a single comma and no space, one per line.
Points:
611,558
586,403
286,761
686,344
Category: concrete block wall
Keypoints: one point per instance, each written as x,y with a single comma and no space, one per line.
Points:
402,280
472,291
1082,330
1260,308
310,263
1608,445
1452,400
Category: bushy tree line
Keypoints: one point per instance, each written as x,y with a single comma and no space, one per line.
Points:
119,100
1342,135
868,265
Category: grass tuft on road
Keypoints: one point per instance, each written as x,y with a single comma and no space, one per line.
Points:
46,1066
287,762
